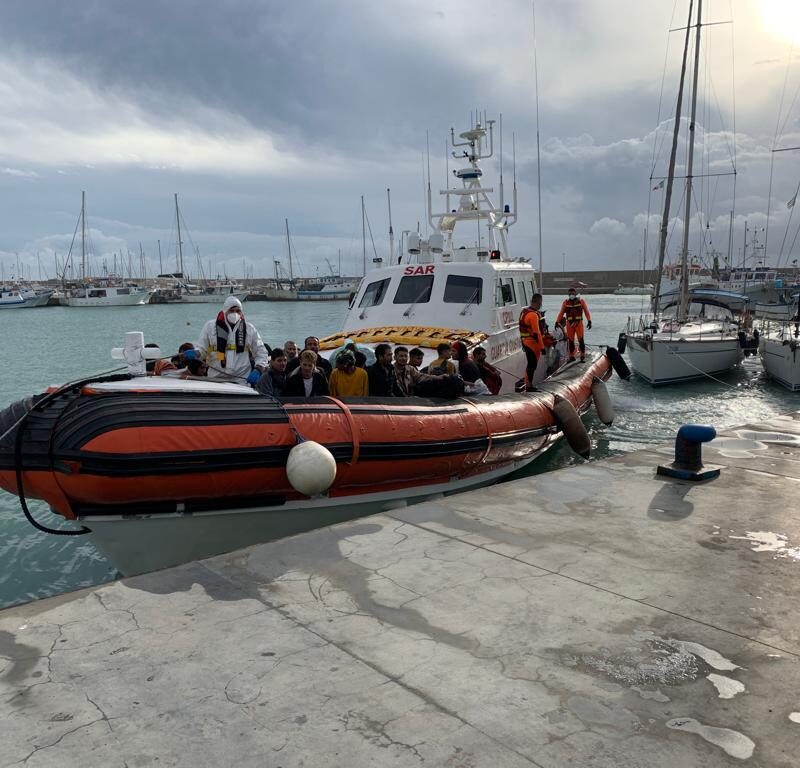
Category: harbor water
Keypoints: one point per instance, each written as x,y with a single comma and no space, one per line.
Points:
52,345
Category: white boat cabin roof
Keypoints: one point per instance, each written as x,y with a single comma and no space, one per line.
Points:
481,295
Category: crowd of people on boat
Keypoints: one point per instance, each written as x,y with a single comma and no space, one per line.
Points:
230,348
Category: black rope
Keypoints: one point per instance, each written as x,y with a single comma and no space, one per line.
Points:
20,425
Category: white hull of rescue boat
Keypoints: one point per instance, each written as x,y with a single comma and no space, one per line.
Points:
149,542
672,361
781,361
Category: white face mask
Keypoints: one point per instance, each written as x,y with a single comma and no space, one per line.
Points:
233,318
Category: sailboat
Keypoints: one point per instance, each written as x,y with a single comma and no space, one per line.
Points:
779,348
208,291
100,292
695,333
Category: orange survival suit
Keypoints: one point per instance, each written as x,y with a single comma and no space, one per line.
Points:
574,309
532,342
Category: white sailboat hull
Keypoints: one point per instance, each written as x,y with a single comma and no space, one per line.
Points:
129,300
211,298
781,361
671,361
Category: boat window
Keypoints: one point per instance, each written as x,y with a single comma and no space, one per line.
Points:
123,291
508,291
462,289
414,289
522,292
375,293
97,294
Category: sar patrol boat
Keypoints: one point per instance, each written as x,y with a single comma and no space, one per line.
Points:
443,288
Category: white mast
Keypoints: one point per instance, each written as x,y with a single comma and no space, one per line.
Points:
690,161
83,236
538,158
662,241
391,231
364,233
180,244
289,246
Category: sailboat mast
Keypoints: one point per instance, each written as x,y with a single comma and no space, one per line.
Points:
538,157
662,241
364,233
83,236
391,231
289,246
180,244
689,164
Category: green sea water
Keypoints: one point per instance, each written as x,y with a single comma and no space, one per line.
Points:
39,347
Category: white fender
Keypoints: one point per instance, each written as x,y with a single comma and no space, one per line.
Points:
602,401
572,426
311,468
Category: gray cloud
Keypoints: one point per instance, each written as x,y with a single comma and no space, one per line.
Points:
257,111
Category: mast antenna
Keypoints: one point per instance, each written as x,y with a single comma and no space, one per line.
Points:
538,156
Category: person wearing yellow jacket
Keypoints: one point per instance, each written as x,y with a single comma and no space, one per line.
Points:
346,379
573,309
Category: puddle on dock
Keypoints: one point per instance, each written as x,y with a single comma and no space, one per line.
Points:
748,443
726,687
767,541
734,743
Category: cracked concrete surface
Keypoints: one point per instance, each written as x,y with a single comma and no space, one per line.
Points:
569,619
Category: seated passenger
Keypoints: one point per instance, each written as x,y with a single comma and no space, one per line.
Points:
273,380
442,364
312,344
382,381
361,358
194,368
290,348
466,367
347,380
150,365
408,376
306,380
415,357
490,375
176,365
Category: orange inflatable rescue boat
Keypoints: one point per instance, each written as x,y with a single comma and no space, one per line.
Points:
161,471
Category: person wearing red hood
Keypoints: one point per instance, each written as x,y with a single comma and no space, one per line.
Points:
228,343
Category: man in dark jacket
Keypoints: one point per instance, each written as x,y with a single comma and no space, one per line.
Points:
306,380
273,380
382,381
312,344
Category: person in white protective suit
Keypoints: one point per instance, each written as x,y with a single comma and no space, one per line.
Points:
229,343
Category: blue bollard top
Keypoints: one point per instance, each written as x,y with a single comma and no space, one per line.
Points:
697,433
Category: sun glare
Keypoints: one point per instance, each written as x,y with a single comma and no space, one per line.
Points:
782,18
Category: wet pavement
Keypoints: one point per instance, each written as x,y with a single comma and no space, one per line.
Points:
594,616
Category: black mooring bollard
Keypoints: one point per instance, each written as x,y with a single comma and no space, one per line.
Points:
688,464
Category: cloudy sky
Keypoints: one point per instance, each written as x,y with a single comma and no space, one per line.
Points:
256,110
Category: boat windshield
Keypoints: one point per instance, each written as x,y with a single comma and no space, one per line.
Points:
700,309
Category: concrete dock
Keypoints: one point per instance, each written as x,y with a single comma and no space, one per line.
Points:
594,616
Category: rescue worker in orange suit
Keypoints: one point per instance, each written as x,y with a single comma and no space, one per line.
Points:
531,334
573,309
